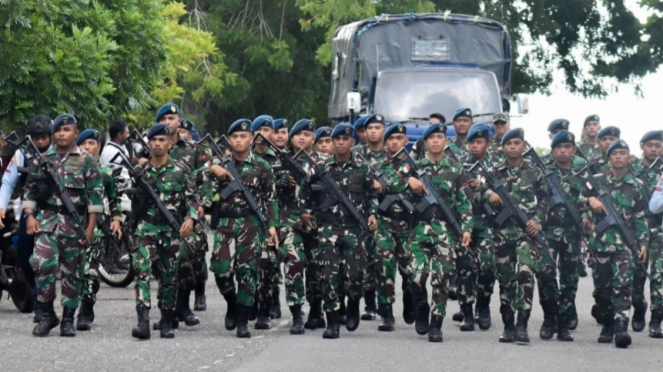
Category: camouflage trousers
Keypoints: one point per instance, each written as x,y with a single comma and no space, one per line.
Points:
268,273
310,244
467,272
613,279
193,267
338,244
392,239
291,253
515,263
371,270
656,272
90,277
430,244
482,242
565,253
58,253
240,262
157,256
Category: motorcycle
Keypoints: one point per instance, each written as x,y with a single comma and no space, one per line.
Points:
12,278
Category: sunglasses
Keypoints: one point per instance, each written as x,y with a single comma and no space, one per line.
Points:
500,122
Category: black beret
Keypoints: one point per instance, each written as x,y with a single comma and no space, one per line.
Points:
621,144
241,125
591,118
609,131
88,134
168,108
61,120
158,130
322,132
377,118
513,133
654,135
562,137
394,128
343,130
479,131
434,128
462,112
186,124
558,124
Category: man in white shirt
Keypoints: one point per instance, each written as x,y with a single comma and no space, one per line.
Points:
118,132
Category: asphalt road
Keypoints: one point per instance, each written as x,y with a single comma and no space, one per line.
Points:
109,346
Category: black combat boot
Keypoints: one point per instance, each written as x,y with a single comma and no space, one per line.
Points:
409,308
638,322
371,306
297,321
608,330
387,313
142,331
275,310
573,318
423,318
166,329
549,321
483,308
263,321
200,303
333,325
655,324
563,332
243,322
468,318
85,315
183,312
521,326
315,319
231,312
253,312
37,313
597,314
435,329
459,316
352,317
509,334
67,325
343,311
157,325
47,321
622,338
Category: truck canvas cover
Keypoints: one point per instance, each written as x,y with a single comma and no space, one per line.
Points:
362,49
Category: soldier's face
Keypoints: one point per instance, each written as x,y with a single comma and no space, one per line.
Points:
436,142
184,133
159,145
173,121
91,146
563,152
605,142
363,136
375,132
478,147
280,137
396,142
343,144
513,148
325,145
65,136
619,158
462,125
240,141
42,141
303,140
592,128
501,127
651,149
265,131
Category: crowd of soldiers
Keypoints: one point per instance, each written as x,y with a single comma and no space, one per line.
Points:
335,221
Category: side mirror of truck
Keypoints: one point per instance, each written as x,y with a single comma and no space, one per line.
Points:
353,100
522,102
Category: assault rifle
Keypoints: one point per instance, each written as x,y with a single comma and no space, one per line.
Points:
287,162
388,199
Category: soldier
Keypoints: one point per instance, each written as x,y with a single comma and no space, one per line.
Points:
432,241
239,224
280,139
341,237
589,143
59,243
323,142
88,140
419,148
502,125
476,263
656,271
556,126
462,121
515,253
648,170
185,128
360,130
563,238
393,234
614,261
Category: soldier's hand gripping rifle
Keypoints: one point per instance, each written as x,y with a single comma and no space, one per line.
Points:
146,191
235,184
136,137
591,164
334,194
287,162
388,199
433,197
52,180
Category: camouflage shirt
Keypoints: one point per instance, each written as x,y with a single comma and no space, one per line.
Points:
497,151
458,146
649,175
79,175
188,152
111,193
592,151
397,184
374,157
475,196
559,222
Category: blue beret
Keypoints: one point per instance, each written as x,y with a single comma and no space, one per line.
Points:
88,134
61,120
462,112
322,132
241,125
591,118
609,131
303,124
280,123
513,133
377,118
621,144
195,135
360,123
562,137
158,130
654,135
261,121
343,130
434,128
186,124
479,131
558,124
168,108
394,128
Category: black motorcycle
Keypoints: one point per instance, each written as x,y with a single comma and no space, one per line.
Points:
12,278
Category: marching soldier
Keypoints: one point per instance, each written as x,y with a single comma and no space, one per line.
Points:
360,130
606,137
462,122
59,243
323,141
656,271
589,143
419,148
502,125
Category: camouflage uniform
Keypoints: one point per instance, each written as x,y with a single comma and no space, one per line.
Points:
656,258
515,252
57,246
458,146
496,151
592,151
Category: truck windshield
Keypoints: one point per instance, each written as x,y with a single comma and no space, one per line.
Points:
401,95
